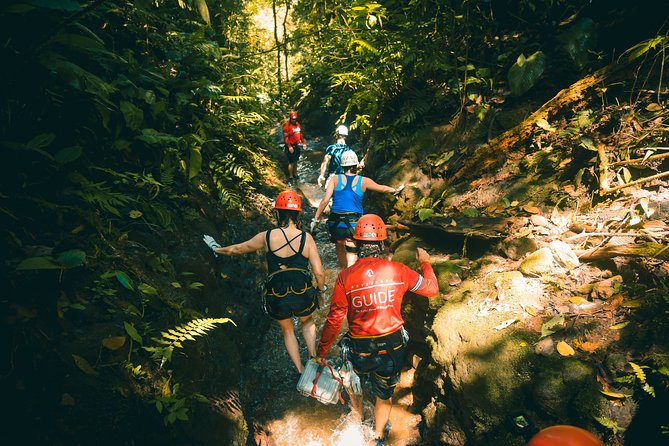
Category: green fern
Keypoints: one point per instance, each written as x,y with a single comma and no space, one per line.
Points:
98,194
638,371
173,338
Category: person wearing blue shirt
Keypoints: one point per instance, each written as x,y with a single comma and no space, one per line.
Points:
346,190
331,160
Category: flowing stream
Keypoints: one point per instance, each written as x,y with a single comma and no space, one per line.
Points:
279,413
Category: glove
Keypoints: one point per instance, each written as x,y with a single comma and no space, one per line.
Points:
321,180
213,244
398,190
313,225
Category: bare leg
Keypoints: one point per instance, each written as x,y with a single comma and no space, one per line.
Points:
341,254
290,341
309,334
356,405
351,257
381,415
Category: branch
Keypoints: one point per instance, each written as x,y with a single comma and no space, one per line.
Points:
603,190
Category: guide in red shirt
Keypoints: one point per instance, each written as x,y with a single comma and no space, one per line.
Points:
294,140
369,294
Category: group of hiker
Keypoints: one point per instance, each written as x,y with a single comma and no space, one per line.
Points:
368,291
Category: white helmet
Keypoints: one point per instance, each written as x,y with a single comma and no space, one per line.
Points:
348,158
342,130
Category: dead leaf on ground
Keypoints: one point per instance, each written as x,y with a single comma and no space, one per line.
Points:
565,349
531,209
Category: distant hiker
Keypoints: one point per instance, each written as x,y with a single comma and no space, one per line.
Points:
369,294
346,191
289,289
331,159
294,140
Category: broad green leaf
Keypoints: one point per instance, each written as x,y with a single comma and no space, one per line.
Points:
113,342
425,214
132,115
72,258
619,326
203,9
547,327
542,123
37,263
470,212
526,72
124,280
132,332
147,289
41,141
587,143
84,365
68,154
195,163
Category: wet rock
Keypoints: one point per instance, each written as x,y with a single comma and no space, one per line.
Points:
545,347
517,248
442,426
563,254
539,220
538,263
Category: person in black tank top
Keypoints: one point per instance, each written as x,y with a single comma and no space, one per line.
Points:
292,256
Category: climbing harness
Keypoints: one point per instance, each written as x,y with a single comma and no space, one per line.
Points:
321,382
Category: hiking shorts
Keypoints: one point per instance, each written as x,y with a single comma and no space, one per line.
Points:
342,226
381,359
293,157
289,293
299,305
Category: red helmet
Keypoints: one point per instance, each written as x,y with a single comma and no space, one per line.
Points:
292,115
289,201
563,435
370,228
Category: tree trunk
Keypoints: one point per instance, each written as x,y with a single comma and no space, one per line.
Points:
278,49
489,156
285,39
649,249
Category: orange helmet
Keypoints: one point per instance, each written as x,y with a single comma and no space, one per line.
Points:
370,228
564,435
292,115
289,201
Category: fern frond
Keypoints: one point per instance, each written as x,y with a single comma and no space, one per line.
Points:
638,371
99,194
173,337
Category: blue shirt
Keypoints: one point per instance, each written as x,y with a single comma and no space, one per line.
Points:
347,198
335,151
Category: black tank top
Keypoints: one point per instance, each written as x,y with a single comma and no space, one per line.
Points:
297,260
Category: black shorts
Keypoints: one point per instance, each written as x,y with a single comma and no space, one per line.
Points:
342,226
293,157
299,305
290,292
381,358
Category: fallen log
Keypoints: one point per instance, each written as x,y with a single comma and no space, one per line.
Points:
648,249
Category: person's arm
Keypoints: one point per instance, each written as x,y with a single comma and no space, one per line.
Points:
326,198
334,320
256,243
369,184
324,166
315,262
426,284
